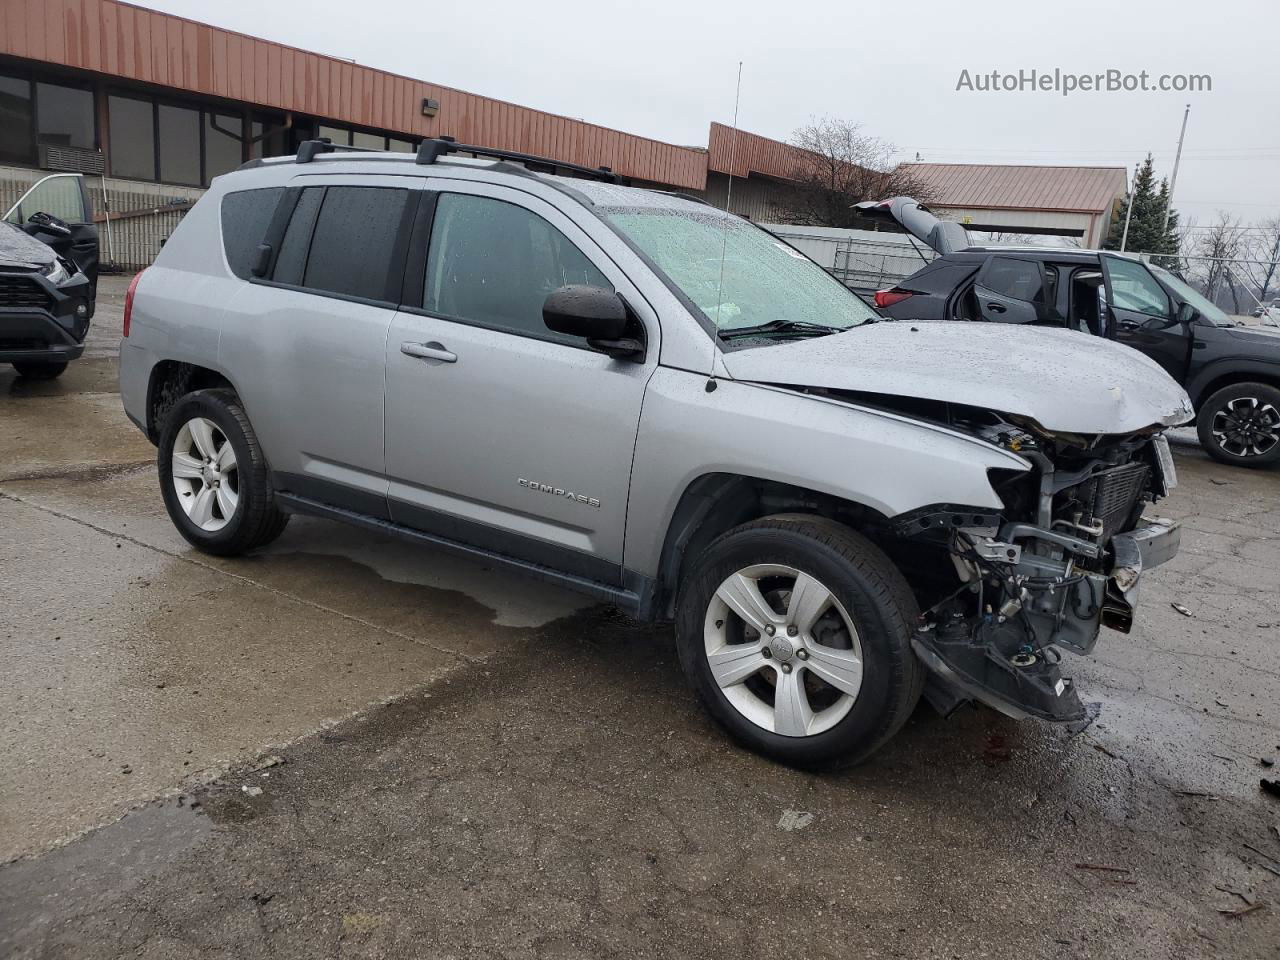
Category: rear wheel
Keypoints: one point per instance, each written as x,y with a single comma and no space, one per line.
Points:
34,370
1240,424
795,631
213,476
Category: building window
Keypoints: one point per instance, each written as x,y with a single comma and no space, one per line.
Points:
133,138
179,139
64,116
223,136
366,141
16,116
335,134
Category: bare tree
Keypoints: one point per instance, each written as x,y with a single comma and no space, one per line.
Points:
1217,247
1259,268
1002,238
836,166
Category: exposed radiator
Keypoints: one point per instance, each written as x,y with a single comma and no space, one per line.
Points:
1115,493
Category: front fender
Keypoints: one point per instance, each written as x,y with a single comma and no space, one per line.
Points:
1234,367
883,461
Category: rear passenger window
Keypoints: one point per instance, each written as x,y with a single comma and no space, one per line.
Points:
355,240
246,214
493,263
1019,279
343,240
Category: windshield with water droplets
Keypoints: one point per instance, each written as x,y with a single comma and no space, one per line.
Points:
736,274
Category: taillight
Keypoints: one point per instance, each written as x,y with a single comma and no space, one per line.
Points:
887,298
128,300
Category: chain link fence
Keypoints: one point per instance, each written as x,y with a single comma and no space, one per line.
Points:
1243,287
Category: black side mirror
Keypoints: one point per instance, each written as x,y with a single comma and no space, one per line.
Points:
1188,314
597,315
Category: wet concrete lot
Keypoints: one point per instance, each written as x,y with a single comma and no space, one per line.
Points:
350,747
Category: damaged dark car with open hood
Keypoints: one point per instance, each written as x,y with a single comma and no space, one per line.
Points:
1230,371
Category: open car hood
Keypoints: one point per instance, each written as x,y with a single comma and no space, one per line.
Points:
1067,382
17,249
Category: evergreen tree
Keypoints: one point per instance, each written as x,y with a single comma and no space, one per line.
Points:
1147,232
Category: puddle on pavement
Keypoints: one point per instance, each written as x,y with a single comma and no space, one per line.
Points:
516,601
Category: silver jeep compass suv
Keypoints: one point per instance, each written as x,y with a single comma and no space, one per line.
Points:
637,395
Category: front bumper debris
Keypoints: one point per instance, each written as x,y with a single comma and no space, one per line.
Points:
1008,655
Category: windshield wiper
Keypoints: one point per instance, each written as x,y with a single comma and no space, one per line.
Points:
778,326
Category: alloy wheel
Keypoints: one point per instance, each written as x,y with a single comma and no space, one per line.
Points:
1246,427
205,475
783,650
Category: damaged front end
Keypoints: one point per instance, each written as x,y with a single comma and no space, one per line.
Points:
1063,559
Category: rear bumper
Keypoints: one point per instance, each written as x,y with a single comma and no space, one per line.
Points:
40,322
135,377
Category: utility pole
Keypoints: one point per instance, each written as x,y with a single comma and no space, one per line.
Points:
1128,210
1173,180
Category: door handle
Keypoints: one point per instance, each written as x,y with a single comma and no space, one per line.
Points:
428,351
996,307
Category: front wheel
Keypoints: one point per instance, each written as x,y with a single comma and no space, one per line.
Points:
1240,425
213,476
795,632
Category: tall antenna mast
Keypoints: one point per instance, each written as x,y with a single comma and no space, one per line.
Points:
724,236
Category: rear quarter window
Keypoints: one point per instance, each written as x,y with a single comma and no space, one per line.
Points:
246,214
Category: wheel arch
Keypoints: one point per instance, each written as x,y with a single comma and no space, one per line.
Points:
715,503
1212,379
169,381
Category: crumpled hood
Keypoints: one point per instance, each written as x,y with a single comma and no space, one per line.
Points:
18,249
1066,381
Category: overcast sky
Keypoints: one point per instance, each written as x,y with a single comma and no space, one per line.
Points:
666,69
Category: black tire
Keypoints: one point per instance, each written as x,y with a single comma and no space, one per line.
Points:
867,585
257,519
1266,418
34,370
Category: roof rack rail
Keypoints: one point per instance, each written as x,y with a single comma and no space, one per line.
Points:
308,150
429,151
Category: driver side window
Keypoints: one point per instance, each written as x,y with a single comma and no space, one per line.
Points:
1133,288
492,263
